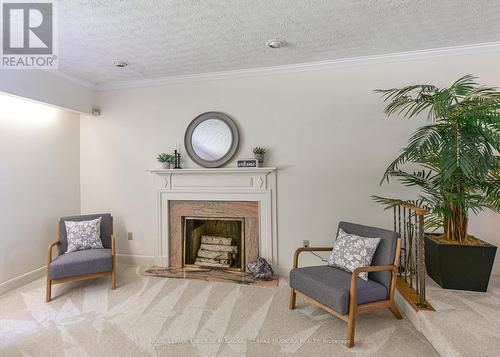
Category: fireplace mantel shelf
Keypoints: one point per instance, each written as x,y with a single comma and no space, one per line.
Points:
236,170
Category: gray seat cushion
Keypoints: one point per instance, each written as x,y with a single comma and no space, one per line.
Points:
81,262
330,286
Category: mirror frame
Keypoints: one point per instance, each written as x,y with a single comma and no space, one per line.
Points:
232,149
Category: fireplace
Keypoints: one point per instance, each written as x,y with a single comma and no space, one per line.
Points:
214,242
247,195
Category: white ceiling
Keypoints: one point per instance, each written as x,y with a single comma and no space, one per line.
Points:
162,38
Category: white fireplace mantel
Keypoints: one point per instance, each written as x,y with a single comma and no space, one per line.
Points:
220,184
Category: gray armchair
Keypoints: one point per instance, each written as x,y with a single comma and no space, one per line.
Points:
82,264
344,294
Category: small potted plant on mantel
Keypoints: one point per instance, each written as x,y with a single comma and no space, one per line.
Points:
166,160
460,173
259,153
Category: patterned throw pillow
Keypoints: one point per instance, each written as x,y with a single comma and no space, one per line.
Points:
83,235
351,251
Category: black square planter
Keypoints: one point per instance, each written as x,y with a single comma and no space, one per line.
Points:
460,267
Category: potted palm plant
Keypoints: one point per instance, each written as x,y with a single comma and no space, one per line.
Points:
457,155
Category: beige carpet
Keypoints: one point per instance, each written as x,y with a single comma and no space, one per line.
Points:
466,323
147,316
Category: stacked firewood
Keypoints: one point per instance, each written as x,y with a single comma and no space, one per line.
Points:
216,252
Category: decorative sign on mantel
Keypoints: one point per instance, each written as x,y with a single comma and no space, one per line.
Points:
248,163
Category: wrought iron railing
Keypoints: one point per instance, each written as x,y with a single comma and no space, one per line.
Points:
409,223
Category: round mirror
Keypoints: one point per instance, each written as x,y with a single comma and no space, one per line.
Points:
211,139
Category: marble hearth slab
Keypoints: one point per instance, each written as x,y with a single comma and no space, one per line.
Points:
207,274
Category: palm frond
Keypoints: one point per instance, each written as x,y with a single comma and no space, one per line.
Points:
389,202
458,151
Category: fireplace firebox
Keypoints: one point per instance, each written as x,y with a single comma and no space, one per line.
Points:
215,242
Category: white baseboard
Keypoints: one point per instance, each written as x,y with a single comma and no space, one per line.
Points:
283,271
135,259
21,280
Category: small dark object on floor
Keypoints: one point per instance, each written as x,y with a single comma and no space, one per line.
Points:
260,269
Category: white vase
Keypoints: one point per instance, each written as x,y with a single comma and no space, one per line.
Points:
166,165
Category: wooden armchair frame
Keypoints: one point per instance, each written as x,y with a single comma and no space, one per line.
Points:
50,282
354,308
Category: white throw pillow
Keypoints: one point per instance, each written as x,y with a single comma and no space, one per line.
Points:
351,251
83,235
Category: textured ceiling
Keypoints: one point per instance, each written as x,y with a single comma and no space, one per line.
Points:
162,38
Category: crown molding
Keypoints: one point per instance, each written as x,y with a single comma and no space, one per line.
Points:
302,67
71,78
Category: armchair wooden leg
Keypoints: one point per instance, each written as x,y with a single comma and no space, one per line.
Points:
351,329
113,279
393,308
48,290
293,298
353,313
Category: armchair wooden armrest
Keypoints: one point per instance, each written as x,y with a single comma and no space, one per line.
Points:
113,257
390,267
113,240
52,245
49,259
373,268
308,249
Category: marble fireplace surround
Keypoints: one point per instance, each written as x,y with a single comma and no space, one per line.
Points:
221,192
248,210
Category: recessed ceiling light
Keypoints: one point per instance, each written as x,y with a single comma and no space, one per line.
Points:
275,43
120,64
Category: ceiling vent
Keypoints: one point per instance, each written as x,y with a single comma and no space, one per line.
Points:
120,64
276,43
